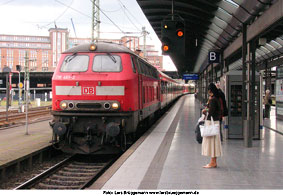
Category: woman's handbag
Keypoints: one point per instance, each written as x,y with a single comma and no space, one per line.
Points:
209,130
197,129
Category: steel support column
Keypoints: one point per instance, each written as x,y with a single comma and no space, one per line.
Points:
245,87
211,79
268,76
206,84
227,66
221,64
252,92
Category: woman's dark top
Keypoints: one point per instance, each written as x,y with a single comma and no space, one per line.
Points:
214,109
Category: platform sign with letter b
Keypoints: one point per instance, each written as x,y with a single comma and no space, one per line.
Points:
213,57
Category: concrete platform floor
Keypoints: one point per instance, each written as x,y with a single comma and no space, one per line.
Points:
170,158
14,143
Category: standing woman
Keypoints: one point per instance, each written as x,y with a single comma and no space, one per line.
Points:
267,104
211,146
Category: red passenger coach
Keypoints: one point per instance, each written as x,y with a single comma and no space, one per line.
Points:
101,93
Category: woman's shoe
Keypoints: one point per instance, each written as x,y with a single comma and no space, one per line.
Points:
210,166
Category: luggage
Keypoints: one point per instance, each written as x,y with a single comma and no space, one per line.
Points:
197,132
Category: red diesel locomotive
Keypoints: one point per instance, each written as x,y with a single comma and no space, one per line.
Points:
101,93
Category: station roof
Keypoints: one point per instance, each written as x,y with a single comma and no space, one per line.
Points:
212,25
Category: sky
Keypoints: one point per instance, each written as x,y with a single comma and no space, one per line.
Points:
35,17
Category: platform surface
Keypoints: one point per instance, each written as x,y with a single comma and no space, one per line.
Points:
14,143
272,122
170,158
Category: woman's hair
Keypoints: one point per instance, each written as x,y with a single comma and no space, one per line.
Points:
213,89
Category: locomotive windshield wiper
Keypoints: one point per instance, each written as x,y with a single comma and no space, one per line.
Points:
69,58
111,57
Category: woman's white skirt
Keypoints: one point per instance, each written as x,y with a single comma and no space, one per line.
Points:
211,146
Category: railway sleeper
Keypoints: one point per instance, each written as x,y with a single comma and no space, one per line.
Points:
46,186
89,164
85,166
63,183
81,178
80,170
64,173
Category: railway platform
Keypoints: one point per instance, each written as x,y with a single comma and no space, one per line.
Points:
14,143
273,123
168,157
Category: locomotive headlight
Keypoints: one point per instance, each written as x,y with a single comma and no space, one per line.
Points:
115,106
92,47
63,105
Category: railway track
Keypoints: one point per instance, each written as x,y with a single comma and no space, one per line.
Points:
74,172
14,117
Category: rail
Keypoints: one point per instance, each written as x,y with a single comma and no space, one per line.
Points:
15,117
71,173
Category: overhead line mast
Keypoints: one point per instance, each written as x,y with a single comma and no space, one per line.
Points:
95,25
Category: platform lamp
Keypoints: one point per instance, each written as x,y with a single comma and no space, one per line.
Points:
20,85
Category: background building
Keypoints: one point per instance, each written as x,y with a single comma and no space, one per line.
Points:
43,52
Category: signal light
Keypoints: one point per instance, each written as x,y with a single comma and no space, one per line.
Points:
180,33
165,48
173,37
165,45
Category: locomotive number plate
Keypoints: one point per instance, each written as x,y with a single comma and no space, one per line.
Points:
88,90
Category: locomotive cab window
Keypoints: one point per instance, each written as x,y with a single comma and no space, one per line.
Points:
107,63
75,63
134,62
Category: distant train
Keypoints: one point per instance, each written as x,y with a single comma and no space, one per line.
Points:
188,89
101,93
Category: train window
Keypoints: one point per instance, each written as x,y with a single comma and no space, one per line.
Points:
133,64
138,64
107,63
142,68
147,69
75,63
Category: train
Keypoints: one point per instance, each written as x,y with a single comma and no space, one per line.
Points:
189,89
102,92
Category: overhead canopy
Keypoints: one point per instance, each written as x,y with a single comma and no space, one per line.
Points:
210,25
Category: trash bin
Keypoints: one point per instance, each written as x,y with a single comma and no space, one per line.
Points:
37,100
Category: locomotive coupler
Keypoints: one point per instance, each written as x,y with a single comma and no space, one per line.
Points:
88,136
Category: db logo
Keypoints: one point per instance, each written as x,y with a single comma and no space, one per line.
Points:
88,90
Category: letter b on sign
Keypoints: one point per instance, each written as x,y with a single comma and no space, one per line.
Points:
213,57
